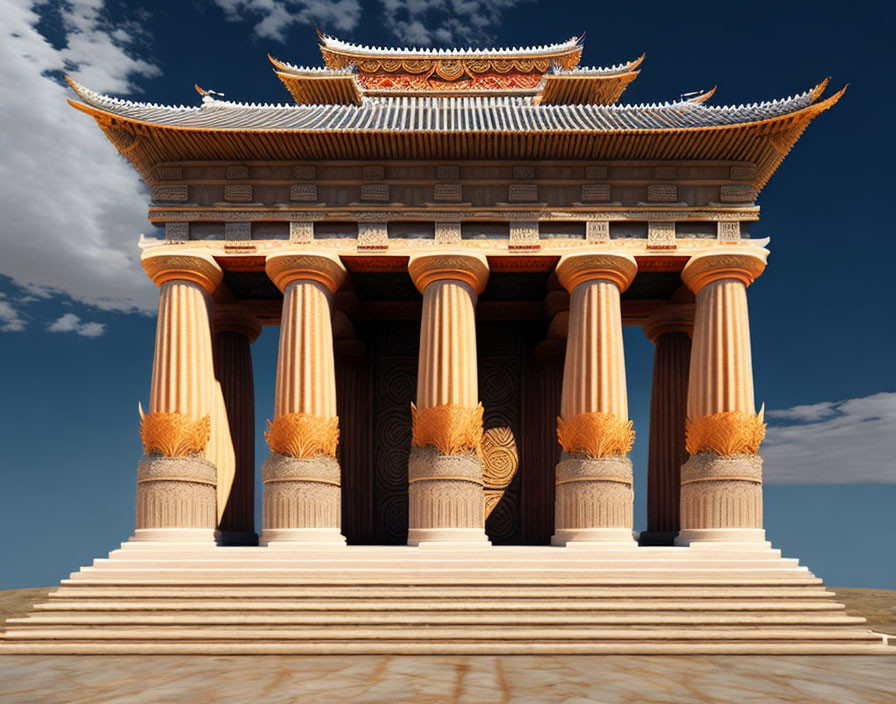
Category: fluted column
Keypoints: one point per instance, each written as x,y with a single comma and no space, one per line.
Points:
176,480
721,483
594,476
446,499
236,328
670,329
301,476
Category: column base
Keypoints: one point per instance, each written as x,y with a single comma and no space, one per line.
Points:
693,536
229,537
448,537
173,535
591,537
657,537
303,537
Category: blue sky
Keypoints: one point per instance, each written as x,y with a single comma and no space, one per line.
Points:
76,311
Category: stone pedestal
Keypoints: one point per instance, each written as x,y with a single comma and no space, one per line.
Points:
445,491
235,331
176,481
301,477
721,484
670,330
594,478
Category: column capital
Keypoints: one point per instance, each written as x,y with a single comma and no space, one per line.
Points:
235,317
285,267
742,265
574,269
675,317
166,264
471,269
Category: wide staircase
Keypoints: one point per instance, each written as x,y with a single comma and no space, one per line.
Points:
199,599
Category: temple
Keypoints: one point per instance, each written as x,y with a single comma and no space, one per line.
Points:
450,242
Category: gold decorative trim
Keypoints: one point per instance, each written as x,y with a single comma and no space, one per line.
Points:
284,268
451,429
574,269
720,479
302,435
727,433
174,434
471,269
596,434
703,269
163,265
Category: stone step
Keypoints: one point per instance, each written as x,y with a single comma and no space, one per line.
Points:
496,575
426,605
684,562
519,618
621,581
171,633
85,590
415,647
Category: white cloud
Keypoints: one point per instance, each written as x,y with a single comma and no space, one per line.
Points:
274,17
836,442
10,318
445,22
72,323
72,207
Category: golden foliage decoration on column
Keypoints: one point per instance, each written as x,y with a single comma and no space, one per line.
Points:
449,428
727,433
174,434
596,434
302,435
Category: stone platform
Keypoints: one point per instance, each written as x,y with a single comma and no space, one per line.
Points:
200,599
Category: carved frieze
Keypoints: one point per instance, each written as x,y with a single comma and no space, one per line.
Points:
448,233
303,192
737,194
661,235
595,173
373,235
301,232
238,193
173,194
305,173
523,172
448,192
177,231
597,231
742,173
448,173
728,231
239,173
662,193
378,192
238,231
596,192
522,193
169,173
373,173
524,235
664,172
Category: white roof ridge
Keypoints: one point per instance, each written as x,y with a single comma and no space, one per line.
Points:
331,42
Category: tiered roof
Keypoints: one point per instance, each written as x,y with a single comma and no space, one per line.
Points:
549,74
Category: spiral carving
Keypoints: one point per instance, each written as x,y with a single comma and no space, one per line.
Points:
499,457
